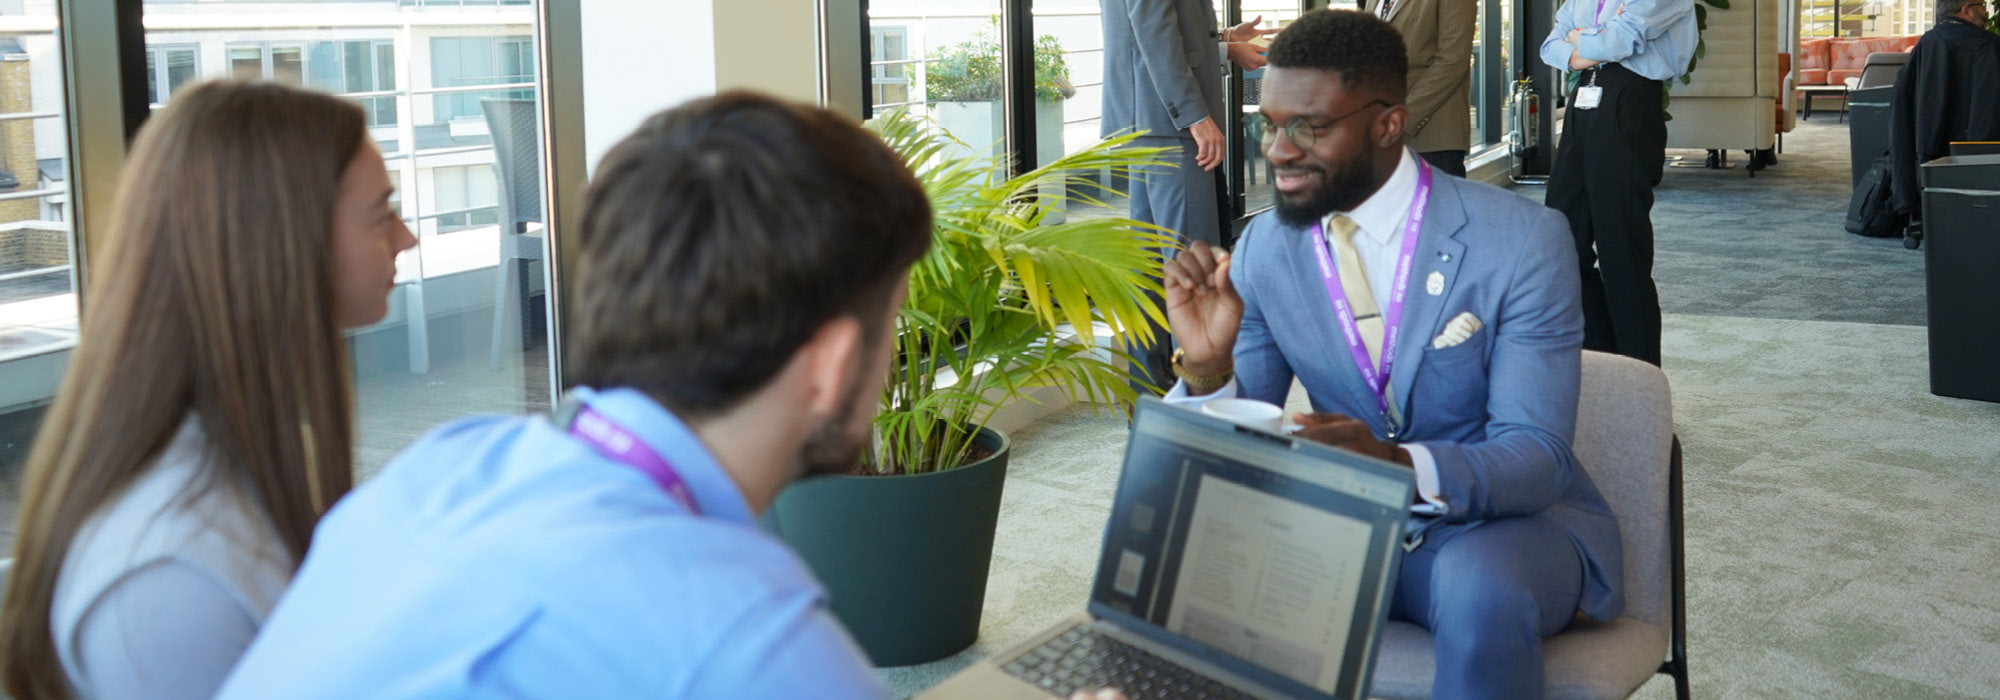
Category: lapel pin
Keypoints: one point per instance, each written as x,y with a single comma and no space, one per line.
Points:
1435,284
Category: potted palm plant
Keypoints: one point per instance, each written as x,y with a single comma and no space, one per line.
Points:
1005,302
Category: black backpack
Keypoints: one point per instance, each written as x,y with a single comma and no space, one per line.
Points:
1871,212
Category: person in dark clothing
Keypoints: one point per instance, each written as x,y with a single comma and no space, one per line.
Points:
1949,91
1613,153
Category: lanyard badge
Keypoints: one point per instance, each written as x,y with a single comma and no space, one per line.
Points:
1588,96
615,443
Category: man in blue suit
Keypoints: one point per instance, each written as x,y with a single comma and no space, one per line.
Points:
1435,323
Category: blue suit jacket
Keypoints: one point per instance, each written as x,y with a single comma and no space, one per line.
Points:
1498,411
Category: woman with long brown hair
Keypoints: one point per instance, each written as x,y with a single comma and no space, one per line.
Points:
206,420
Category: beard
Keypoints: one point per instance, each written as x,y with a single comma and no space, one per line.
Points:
1341,189
834,448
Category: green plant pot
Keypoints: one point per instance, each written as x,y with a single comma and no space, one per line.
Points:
903,558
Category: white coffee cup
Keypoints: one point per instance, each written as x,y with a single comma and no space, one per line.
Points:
1246,412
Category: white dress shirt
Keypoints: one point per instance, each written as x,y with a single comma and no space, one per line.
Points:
1379,240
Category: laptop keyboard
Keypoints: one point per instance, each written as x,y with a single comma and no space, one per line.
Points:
1083,659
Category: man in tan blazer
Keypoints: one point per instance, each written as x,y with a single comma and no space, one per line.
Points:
1438,36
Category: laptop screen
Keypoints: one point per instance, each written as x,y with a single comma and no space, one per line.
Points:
1271,557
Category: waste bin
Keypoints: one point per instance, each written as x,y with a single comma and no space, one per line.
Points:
1961,255
1867,127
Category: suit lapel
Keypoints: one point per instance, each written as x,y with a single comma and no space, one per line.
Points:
1438,252
1324,326
1394,10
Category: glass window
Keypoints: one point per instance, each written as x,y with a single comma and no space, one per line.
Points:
349,67
890,47
1258,192
246,62
168,69
1069,93
478,60
467,329
38,301
288,64
466,196
950,54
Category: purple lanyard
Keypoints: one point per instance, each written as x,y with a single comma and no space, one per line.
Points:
615,443
1392,316
1599,17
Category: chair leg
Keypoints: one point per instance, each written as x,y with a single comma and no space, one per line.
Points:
503,300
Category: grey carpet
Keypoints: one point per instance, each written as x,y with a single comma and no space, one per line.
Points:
1773,246
1841,533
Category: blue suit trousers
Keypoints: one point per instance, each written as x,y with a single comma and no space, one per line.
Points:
1489,595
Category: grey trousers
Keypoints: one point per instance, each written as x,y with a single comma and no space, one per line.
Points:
1180,199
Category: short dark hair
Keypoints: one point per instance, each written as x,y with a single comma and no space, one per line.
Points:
719,237
1947,8
1365,51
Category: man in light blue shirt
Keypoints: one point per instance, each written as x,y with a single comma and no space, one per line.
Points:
742,261
1612,154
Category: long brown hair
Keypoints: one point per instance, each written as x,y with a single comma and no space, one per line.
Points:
213,296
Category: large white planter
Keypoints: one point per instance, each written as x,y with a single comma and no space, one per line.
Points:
981,126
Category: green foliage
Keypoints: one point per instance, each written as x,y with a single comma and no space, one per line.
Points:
989,308
1700,44
1993,23
971,71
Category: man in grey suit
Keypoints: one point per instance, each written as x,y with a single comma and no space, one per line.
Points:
1435,323
1163,76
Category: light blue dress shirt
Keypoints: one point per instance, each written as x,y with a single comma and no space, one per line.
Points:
1654,38
499,557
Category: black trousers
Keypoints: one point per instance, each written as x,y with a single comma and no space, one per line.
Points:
1447,162
1606,167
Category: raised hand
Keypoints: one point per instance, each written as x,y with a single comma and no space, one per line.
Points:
1247,31
1203,309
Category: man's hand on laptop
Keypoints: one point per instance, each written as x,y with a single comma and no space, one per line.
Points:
1203,309
1348,434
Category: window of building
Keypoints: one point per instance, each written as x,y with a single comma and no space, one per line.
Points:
479,60
285,63
889,49
168,69
349,67
466,196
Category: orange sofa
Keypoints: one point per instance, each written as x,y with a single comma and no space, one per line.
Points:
1833,61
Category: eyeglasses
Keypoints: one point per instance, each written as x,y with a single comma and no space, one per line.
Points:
1305,133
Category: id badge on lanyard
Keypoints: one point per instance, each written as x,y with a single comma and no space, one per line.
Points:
1588,96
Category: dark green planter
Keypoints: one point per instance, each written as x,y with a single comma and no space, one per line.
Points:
904,558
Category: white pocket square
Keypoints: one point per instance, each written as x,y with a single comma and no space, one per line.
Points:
1457,331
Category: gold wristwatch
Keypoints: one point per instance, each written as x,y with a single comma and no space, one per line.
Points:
1198,385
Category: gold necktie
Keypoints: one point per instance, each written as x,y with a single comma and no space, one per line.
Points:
1354,281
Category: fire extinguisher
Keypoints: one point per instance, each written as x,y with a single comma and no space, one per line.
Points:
1525,137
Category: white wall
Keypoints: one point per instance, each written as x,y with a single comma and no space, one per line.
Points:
641,56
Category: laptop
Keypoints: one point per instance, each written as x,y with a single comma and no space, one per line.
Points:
1237,563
